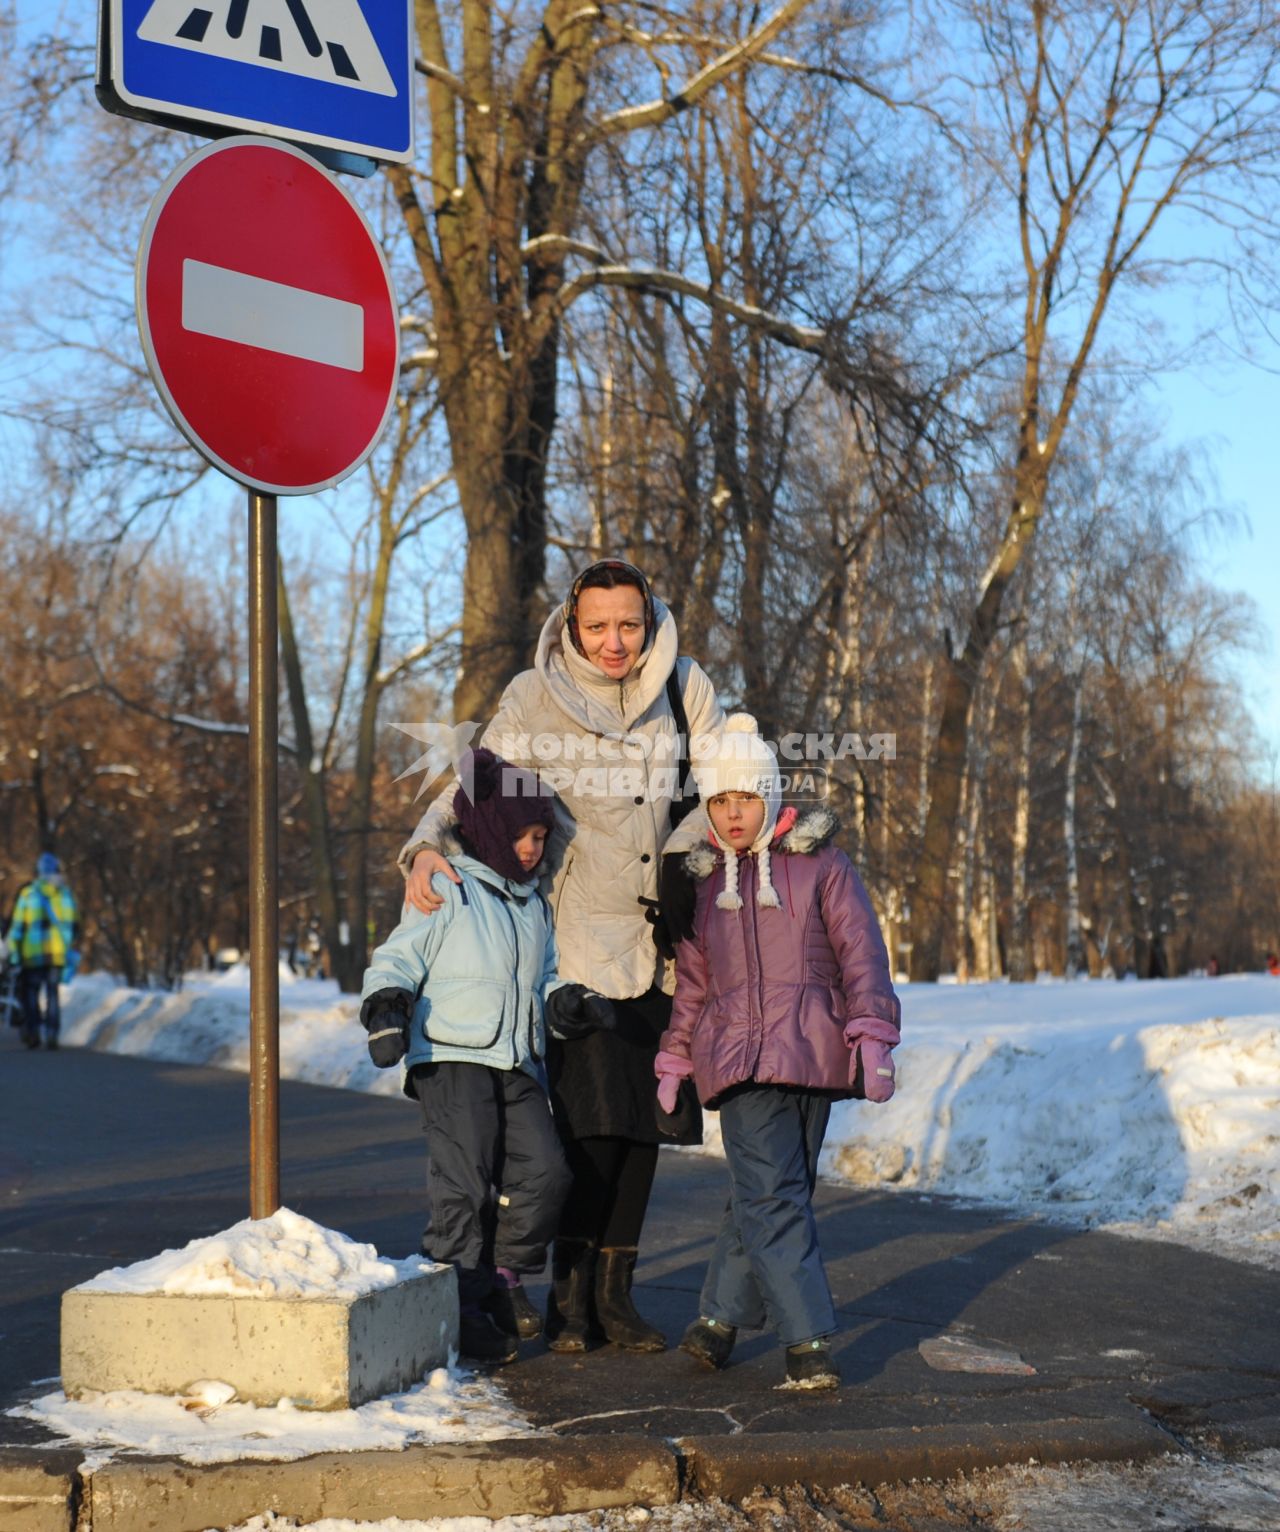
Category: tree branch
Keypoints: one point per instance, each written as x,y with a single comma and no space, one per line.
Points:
651,114
654,280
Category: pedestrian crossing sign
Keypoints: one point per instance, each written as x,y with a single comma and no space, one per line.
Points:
332,75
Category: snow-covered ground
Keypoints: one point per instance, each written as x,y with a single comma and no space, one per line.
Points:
1152,1108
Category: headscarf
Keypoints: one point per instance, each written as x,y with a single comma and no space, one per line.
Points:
631,576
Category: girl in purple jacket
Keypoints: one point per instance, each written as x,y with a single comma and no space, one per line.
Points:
783,1005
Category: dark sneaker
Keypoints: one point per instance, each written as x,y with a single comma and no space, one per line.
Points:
51,1043
480,1340
809,1365
709,1341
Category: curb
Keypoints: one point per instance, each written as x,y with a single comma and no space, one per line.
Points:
39,1491
728,1467
538,1476
43,1491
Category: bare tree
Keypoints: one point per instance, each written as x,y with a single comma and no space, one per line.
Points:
1101,119
521,107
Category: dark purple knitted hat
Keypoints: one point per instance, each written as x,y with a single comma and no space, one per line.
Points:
503,800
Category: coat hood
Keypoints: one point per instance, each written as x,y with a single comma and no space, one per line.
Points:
811,831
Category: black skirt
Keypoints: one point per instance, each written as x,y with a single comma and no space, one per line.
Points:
603,1085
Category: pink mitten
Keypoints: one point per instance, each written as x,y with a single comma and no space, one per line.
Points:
877,1068
670,1069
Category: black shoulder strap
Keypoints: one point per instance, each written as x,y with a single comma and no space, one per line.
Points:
686,800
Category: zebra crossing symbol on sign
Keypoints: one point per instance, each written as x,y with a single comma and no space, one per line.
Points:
331,75
319,39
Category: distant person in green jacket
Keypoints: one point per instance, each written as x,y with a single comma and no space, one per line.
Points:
44,931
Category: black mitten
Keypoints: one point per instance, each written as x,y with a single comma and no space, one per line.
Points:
385,1016
683,1124
573,1011
677,901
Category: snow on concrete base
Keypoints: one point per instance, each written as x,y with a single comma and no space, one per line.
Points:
275,1308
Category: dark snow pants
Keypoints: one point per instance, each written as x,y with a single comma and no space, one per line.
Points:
496,1175
766,1268
30,984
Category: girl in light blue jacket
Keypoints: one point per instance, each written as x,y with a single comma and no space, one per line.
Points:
464,997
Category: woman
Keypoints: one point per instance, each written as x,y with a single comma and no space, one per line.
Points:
594,717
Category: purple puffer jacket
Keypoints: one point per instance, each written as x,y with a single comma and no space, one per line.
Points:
766,994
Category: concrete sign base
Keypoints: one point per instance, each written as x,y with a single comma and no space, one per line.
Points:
320,1353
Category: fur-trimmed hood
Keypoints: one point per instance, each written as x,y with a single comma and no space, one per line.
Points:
812,830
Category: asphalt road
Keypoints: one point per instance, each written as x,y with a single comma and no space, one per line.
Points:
106,1160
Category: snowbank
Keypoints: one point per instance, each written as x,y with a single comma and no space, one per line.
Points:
1151,1107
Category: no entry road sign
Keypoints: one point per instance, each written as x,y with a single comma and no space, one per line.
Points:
267,316
336,74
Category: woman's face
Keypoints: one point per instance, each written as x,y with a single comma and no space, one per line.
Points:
611,628
737,818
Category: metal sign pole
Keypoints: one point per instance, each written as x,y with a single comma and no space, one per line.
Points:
264,908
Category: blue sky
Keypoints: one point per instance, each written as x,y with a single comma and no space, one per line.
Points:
1237,413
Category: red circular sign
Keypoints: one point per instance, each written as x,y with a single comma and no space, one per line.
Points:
267,316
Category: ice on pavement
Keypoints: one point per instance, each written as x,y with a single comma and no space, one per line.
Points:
448,1406
1152,1107
283,1256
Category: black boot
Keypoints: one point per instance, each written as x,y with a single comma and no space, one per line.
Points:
614,1308
480,1340
511,1311
573,1270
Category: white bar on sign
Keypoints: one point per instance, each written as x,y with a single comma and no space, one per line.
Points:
229,305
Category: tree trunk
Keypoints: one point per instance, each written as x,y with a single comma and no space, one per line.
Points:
962,673
503,510
1020,968
1075,942
311,779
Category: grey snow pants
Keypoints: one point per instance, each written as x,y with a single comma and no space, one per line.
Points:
496,1175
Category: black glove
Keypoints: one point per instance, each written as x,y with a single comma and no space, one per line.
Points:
385,1016
684,1124
661,936
573,1011
677,904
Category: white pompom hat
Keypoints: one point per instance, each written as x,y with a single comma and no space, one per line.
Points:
737,760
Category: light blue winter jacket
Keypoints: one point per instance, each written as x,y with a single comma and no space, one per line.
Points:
480,968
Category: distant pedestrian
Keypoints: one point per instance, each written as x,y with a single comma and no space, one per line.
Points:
465,997
1273,965
783,1004
44,931
1213,968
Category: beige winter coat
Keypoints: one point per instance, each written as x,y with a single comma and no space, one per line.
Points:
608,748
